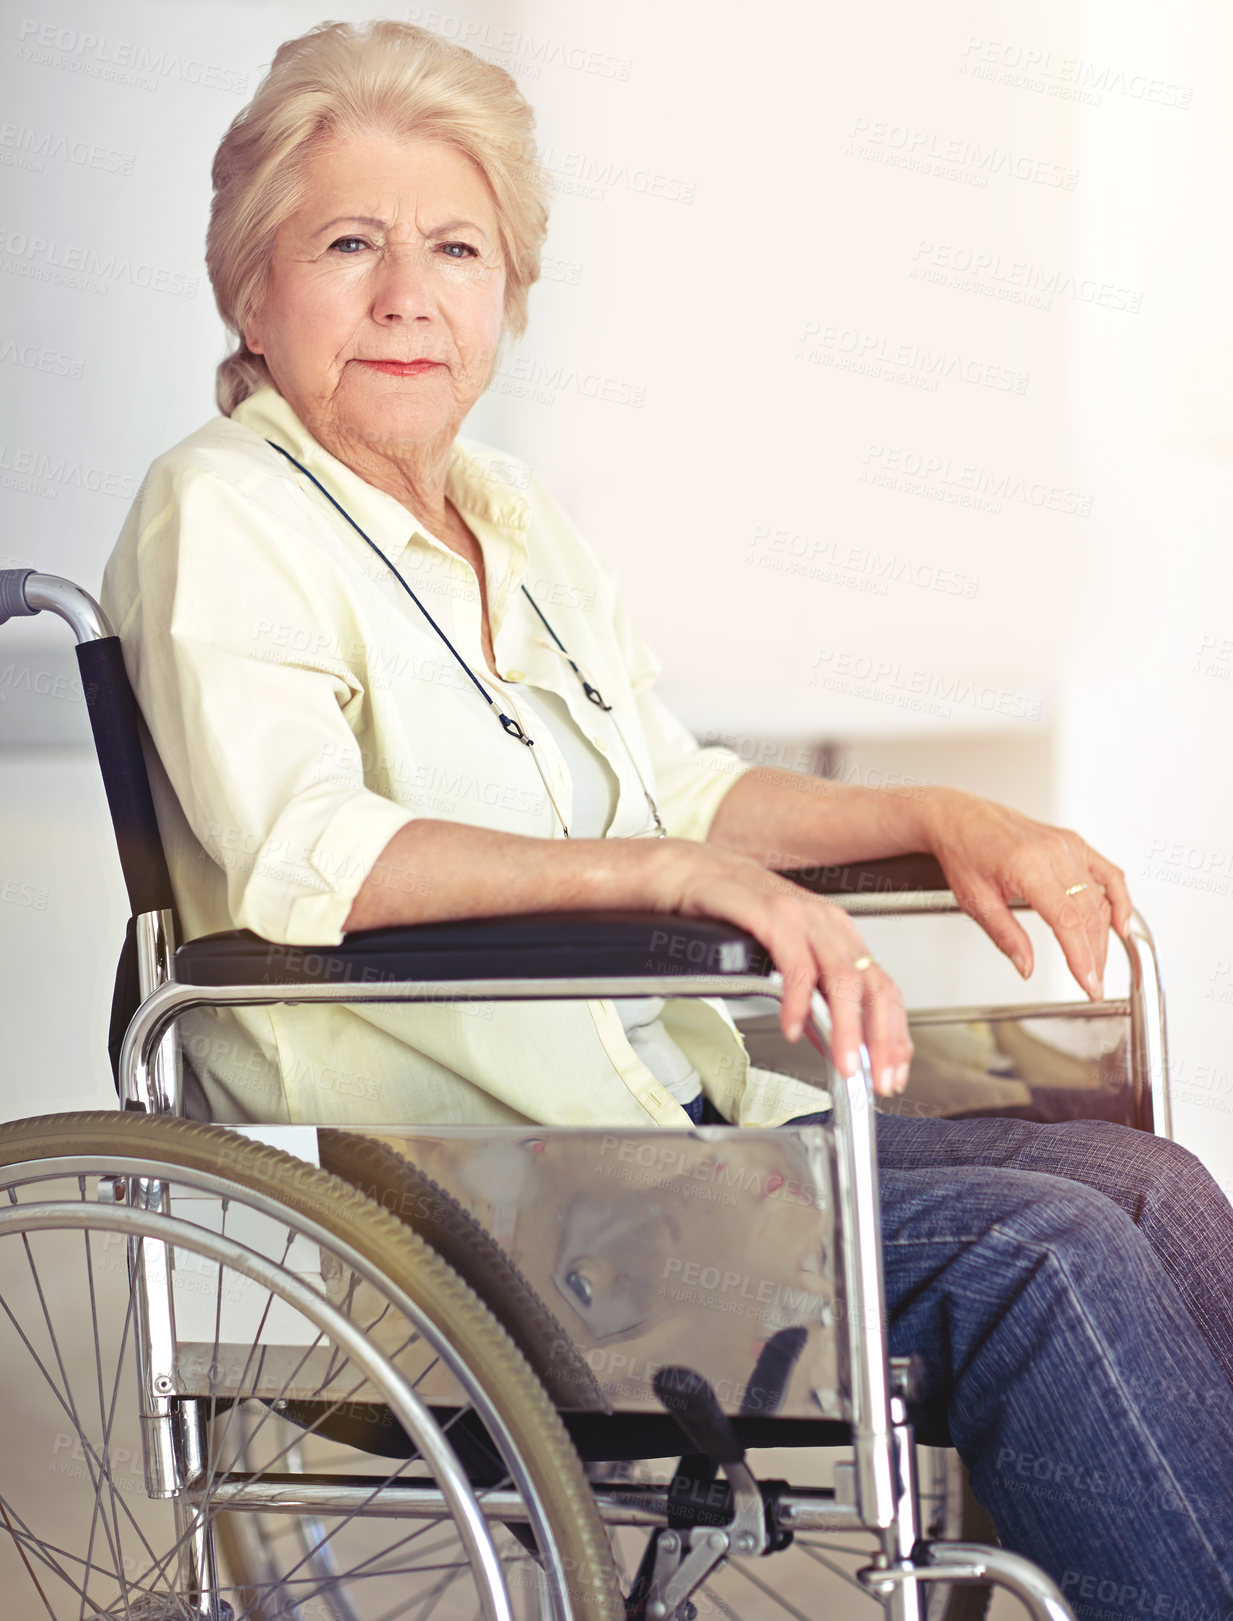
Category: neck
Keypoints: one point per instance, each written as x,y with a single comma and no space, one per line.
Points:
412,471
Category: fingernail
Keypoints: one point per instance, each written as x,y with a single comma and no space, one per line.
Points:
1094,985
795,1026
888,1081
1021,965
901,1077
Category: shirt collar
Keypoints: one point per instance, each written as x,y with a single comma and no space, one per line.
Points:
484,484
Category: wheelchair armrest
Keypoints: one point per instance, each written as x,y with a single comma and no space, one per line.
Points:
531,945
888,877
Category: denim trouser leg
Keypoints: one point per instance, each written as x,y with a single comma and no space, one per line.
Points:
1065,1286
1166,1191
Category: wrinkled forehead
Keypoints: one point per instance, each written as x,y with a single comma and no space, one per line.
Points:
400,185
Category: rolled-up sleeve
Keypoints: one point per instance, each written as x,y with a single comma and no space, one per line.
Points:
237,653
691,780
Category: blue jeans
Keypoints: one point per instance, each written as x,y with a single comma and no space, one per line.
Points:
1068,1288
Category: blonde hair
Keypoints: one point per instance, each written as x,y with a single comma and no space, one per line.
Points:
387,77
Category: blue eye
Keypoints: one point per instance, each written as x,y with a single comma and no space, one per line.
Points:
452,250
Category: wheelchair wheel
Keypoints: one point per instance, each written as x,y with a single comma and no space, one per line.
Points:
348,1315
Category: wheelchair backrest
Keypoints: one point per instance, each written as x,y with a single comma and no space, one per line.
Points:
118,730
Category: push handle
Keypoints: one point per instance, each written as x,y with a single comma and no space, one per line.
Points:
13,604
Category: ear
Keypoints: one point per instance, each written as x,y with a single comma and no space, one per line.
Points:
254,326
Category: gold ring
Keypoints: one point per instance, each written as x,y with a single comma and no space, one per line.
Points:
862,963
1076,889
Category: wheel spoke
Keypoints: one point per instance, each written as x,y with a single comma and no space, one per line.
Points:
106,1413
302,1589
49,1554
836,1570
722,1604
19,1544
248,1361
134,1557
430,1598
765,1588
321,1546
346,1519
90,1454
804,1543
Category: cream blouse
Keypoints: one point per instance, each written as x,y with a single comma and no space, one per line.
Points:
594,802
302,710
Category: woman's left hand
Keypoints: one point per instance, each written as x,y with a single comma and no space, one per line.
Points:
992,854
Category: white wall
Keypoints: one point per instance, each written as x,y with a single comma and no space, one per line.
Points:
1144,749
745,203
788,246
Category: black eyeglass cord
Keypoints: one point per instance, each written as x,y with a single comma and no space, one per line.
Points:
508,723
593,693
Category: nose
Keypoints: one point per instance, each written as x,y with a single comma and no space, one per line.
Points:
403,290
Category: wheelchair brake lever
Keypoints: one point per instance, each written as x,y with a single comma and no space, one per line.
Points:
695,1407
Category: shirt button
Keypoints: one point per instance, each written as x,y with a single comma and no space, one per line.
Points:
599,745
514,675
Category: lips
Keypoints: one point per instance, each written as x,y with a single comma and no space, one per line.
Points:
403,368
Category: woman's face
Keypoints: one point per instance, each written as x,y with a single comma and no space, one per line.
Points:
395,256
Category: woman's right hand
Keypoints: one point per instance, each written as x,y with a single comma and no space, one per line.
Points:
812,942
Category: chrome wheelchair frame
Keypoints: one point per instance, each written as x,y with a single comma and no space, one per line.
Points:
612,955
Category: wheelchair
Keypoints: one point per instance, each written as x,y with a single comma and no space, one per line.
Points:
499,1372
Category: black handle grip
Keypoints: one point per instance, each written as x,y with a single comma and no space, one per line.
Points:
695,1407
13,604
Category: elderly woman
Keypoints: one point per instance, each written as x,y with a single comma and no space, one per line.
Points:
388,682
